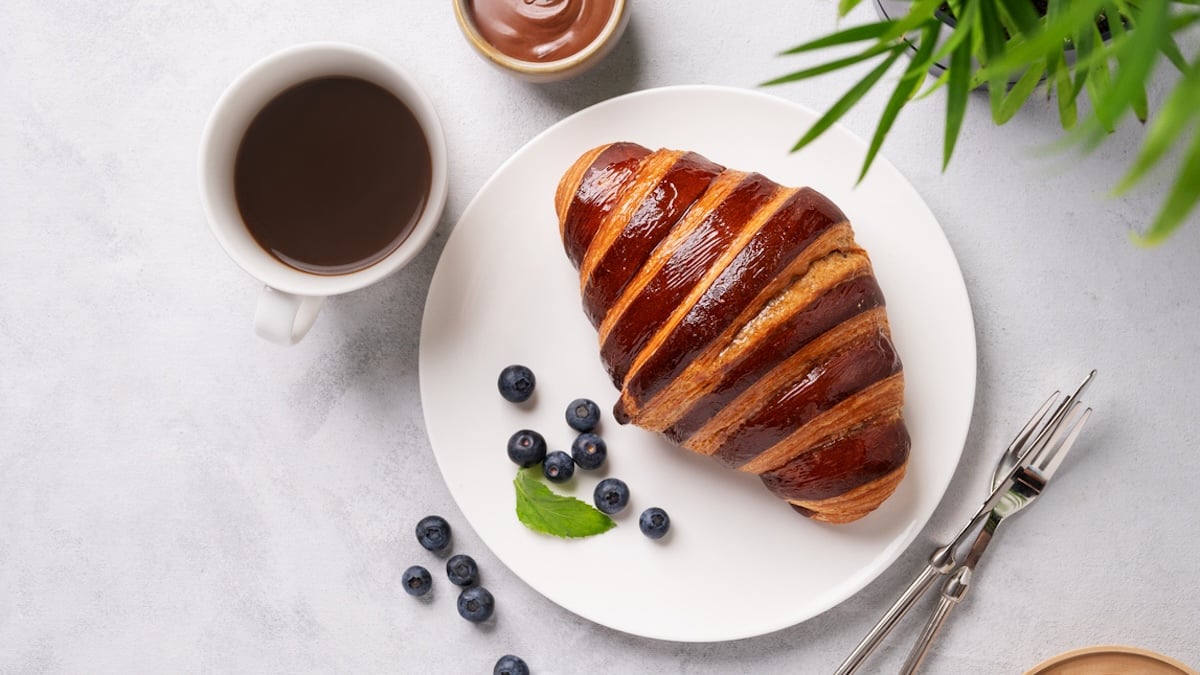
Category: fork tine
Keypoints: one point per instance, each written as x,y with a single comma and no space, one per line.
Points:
1063,407
1017,451
1057,455
1083,385
1042,438
1027,430
1056,432
1044,435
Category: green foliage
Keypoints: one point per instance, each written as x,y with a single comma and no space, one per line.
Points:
542,510
1006,47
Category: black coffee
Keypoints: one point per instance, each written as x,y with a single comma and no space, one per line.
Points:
332,175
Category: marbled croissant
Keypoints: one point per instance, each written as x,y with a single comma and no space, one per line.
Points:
739,319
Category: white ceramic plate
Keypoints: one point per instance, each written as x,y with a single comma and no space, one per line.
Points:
738,562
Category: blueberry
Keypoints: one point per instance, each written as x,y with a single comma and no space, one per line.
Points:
589,451
611,495
476,604
583,414
558,466
510,665
433,533
526,447
416,580
462,570
516,383
654,522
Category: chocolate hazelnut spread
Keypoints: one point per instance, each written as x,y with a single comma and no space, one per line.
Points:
541,30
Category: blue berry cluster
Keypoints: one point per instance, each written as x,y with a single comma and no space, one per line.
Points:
528,448
475,603
433,534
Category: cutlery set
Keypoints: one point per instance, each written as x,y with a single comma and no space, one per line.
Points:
1021,474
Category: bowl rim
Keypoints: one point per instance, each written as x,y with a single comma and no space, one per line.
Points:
466,23
1064,657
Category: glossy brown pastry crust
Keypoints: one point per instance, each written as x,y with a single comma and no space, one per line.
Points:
739,319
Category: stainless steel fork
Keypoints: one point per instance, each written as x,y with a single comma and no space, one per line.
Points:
1029,481
942,560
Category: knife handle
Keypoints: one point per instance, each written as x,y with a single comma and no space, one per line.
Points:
956,587
885,625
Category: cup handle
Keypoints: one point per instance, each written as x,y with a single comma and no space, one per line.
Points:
284,318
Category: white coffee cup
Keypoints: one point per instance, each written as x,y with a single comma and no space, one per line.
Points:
292,299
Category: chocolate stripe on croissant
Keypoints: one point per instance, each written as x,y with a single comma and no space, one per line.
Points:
818,268
636,190
596,194
829,309
718,190
882,399
683,184
687,265
858,458
818,389
788,369
786,235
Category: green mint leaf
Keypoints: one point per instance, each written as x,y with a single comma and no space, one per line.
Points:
543,510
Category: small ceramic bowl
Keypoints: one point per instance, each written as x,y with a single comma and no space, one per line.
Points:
546,71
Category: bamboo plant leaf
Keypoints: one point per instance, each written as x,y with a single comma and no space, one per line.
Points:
844,6
1082,39
1170,49
1051,33
867,54
991,44
988,24
1020,92
848,100
1056,60
919,12
960,34
1181,108
1053,64
1087,60
1007,23
1183,21
1135,62
1184,196
1068,113
1098,85
869,31
1093,55
1020,14
1126,10
1117,8
1140,104
909,84
996,90
937,84
957,90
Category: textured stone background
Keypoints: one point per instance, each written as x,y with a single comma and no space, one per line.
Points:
179,496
